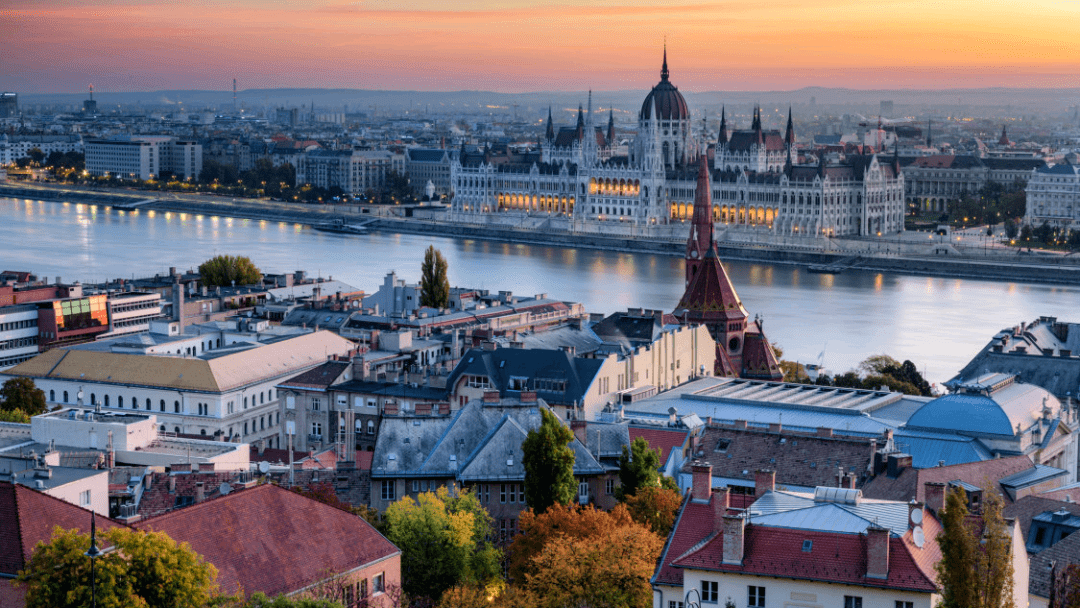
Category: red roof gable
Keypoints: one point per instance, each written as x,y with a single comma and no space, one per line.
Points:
272,540
664,440
29,517
833,558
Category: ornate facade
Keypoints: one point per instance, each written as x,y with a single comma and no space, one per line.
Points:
757,184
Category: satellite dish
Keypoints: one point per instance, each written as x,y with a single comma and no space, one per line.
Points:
918,537
916,516
224,488
264,467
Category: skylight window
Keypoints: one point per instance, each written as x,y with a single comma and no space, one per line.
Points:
807,545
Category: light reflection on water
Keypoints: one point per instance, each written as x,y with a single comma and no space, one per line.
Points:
937,323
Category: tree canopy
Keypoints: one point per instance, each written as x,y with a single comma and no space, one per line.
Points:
147,569
434,286
569,556
976,568
656,507
444,540
548,460
638,468
22,395
227,270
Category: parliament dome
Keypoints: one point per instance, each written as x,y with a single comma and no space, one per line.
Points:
666,98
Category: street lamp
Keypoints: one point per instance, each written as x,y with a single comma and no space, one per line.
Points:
94,553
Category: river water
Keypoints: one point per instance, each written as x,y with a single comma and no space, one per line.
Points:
937,323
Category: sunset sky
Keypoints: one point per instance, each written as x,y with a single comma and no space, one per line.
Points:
60,46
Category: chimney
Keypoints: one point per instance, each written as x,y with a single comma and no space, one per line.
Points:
491,397
172,484
774,427
764,481
262,446
673,416
739,424
824,431
877,552
734,531
720,503
580,432
934,495
849,481
897,463
702,481
200,493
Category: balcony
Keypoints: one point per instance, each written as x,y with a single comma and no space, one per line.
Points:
314,437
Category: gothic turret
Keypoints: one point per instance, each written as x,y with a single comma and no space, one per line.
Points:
789,134
701,227
929,139
723,137
580,121
1004,139
611,127
550,136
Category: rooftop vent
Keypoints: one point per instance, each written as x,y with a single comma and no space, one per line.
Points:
841,496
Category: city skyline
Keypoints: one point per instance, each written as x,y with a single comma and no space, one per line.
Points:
509,45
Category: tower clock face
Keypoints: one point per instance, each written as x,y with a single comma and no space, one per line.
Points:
733,344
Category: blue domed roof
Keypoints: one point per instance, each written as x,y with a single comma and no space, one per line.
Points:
963,413
667,99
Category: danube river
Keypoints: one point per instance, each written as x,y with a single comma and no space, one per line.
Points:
937,323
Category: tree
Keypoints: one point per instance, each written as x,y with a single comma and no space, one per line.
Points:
1011,229
638,468
573,557
434,286
18,416
444,541
976,569
655,508
147,569
549,464
464,596
260,600
226,270
23,395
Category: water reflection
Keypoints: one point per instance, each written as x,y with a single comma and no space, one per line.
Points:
938,323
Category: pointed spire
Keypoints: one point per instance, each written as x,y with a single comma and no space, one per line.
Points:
701,227
929,138
789,135
1004,140
611,127
580,121
550,127
723,138
590,115
663,70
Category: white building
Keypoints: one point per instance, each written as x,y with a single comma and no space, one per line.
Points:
354,171
18,334
229,392
756,184
1053,196
144,157
16,147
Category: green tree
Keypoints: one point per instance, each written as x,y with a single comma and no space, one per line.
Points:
956,569
549,464
434,286
638,468
14,416
444,541
23,395
146,569
260,600
993,560
1026,232
1011,228
226,270
36,155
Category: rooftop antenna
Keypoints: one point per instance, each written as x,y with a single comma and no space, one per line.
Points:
91,92
234,94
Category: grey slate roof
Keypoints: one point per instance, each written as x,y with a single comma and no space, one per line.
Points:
1031,477
478,443
799,510
533,364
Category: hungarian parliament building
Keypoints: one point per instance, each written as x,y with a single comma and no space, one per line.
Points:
758,180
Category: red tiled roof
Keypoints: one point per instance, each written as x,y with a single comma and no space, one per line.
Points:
695,522
834,558
272,540
10,595
664,440
274,455
29,517
364,459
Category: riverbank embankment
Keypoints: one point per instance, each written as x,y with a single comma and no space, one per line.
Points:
1031,268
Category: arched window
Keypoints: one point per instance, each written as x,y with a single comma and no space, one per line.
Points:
161,429
93,399
161,406
176,406
371,427
120,401
148,406
176,430
65,397
202,431
106,401
52,394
